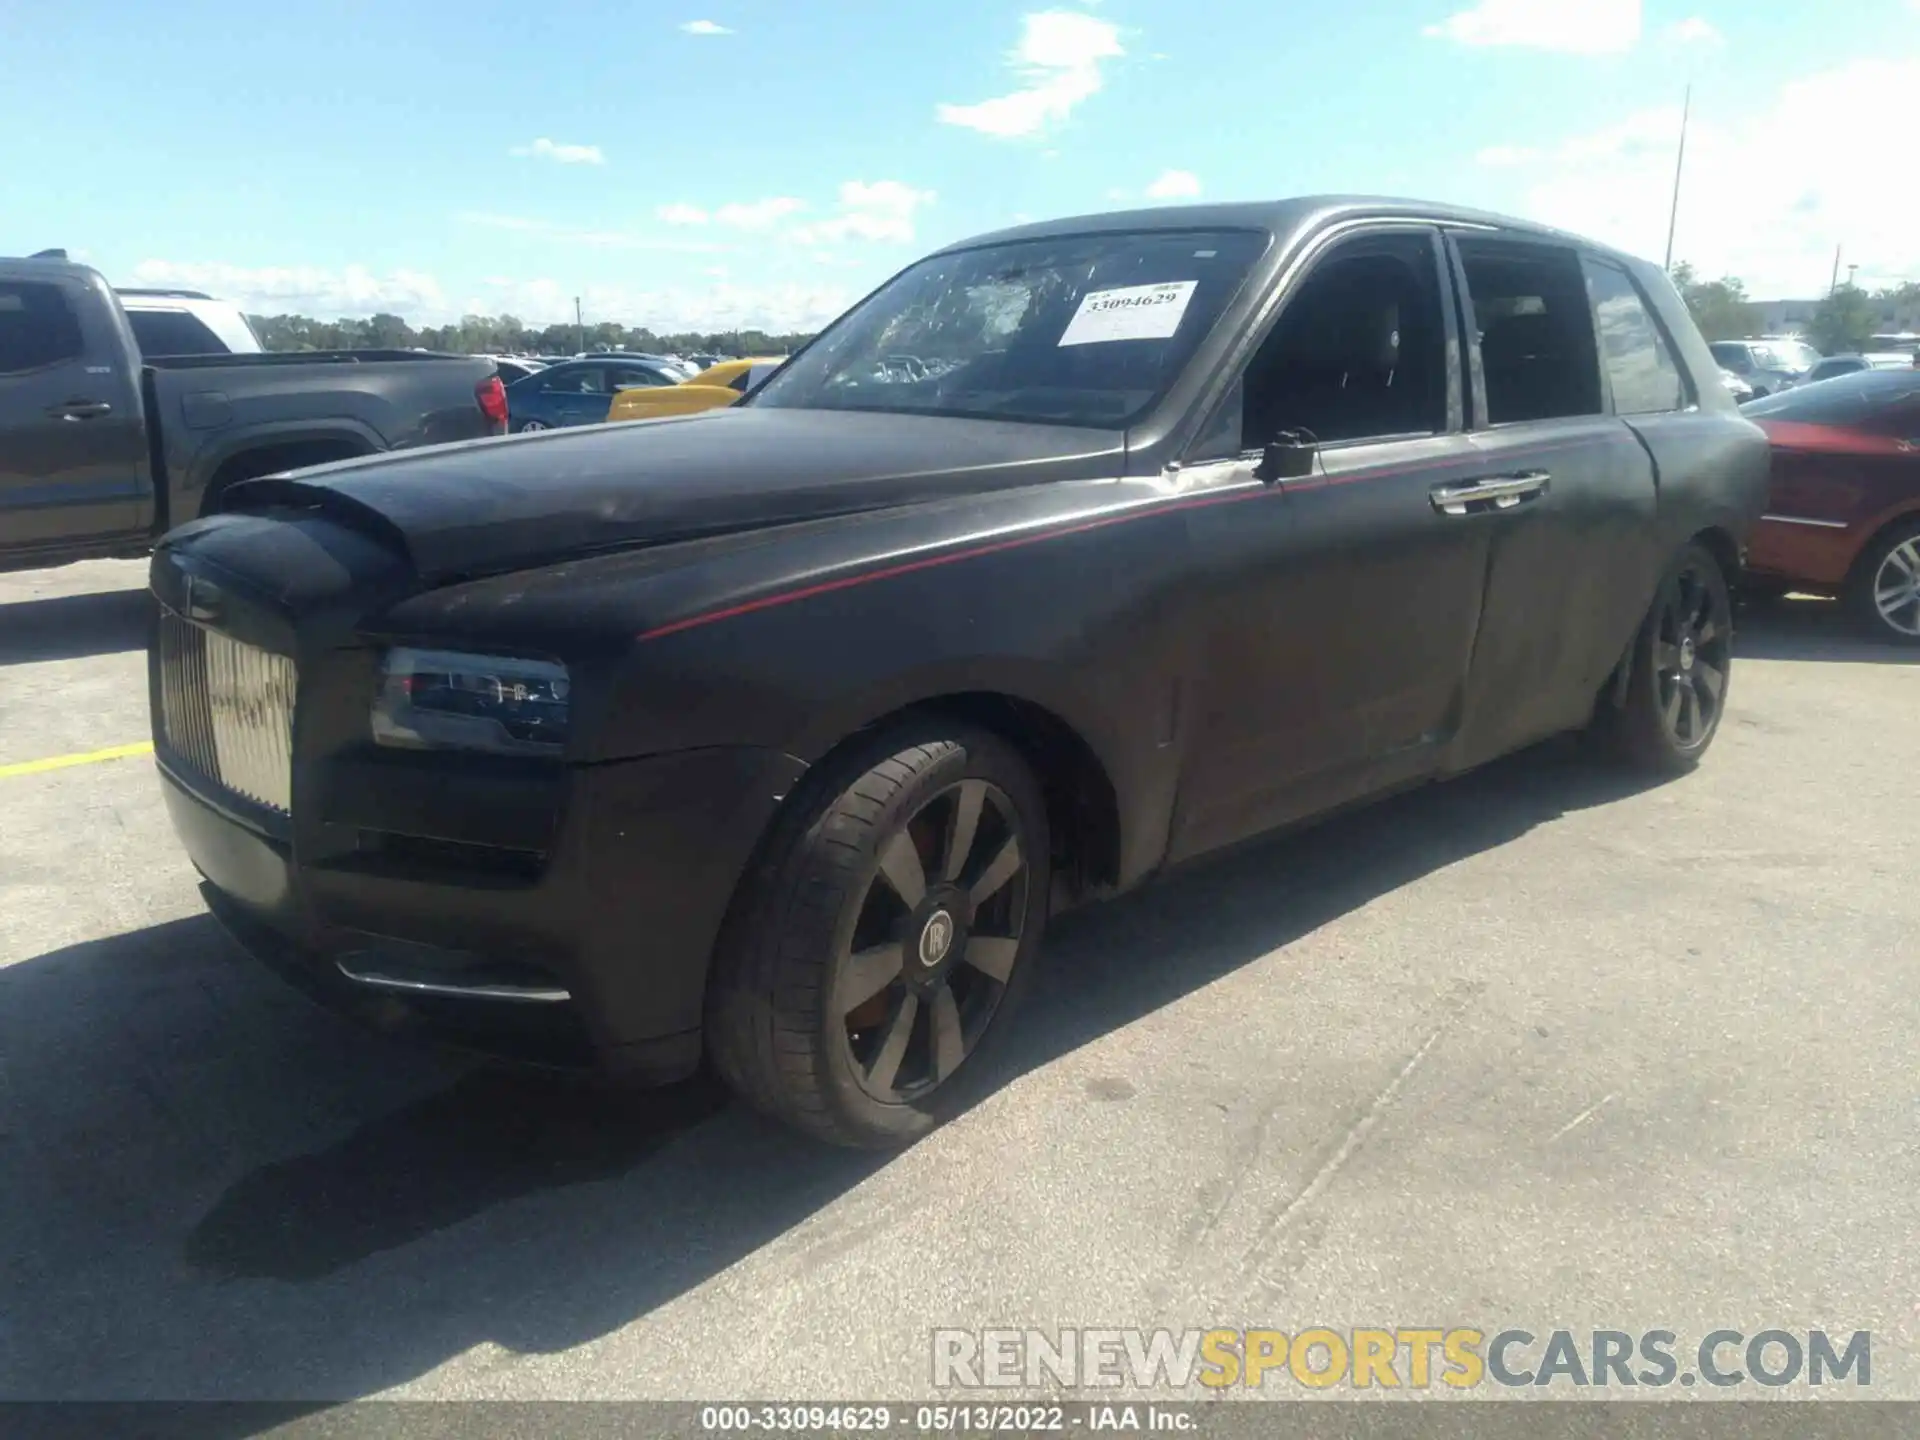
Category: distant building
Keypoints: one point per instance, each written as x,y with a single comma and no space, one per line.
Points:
1792,317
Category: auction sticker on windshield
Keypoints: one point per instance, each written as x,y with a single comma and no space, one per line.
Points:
1137,312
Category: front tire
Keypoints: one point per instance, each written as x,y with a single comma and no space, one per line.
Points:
1884,594
884,938
1679,673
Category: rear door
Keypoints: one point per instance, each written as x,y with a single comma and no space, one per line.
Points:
1568,573
73,455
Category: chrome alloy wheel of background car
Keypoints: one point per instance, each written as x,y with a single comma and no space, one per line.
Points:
933,946
1896,588
528,427
1692,650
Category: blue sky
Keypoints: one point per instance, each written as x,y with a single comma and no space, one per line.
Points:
723,162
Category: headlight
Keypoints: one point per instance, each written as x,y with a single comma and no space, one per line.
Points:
445,700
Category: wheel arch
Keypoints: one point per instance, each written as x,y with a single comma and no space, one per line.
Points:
1084,812
267,453
1872,535
1718,542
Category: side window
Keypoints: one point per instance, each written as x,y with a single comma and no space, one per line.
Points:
1358,353
37,327
1529,307
741,381
1640,368
584,380
173,332
1731,356
634,376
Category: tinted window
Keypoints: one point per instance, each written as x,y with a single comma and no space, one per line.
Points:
1827,369
1079,330
1734,357
1848,400
173,332
1358,353
627,377
575,380
1639,366
37,327
1535,331
739,382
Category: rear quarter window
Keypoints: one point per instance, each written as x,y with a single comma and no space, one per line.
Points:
173,332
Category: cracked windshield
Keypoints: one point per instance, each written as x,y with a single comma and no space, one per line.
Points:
966,720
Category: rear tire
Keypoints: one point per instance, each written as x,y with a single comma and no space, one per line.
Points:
531,427
1679,673
884,938
1884,593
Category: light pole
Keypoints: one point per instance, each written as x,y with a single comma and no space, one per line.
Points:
579,329
1679,163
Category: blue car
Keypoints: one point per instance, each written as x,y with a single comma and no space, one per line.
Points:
578,392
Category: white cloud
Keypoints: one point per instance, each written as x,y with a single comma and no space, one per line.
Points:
1058,61
1174,185
1576,27
574,235
719,305
545,149
705,27
1500,155
1696,30
758,214
682,214
1766,196
354,290
318,291
880,210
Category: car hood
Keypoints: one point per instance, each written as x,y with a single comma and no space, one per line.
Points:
492,506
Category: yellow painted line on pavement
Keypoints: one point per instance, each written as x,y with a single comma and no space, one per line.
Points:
86,757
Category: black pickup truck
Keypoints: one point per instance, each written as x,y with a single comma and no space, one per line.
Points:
103,449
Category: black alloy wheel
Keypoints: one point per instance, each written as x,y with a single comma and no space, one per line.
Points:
884,937
1692,653
1679,672
934,942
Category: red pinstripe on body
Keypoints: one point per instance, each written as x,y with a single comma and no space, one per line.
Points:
995,547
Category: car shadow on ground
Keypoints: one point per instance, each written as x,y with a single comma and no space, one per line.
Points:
1801,627
69,627
221,1192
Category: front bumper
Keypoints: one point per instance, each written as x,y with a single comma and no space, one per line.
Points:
595,956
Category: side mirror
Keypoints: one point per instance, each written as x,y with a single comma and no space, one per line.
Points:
1291,455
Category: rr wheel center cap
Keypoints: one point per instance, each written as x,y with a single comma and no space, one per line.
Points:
1686,653
936,939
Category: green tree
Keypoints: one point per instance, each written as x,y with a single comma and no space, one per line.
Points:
1720,307
1843,321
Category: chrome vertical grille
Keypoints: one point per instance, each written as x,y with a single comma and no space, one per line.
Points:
226,709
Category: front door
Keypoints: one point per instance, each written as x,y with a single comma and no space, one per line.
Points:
73,459
1570,573
1341,606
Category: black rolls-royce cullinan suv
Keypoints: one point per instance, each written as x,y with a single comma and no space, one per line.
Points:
773,735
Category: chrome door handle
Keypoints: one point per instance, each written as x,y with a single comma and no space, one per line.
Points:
80,410
1496,492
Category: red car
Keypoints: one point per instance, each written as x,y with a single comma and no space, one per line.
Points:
1843,517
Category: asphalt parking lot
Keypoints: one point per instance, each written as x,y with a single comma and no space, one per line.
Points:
1534,1048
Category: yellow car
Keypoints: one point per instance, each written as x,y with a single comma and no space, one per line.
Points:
712,388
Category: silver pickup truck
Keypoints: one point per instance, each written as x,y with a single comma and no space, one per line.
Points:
104,449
